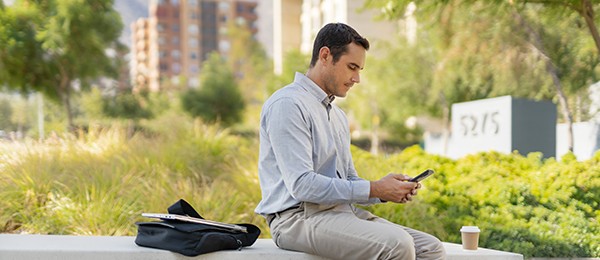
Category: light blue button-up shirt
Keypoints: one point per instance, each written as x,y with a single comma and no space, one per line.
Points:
305,151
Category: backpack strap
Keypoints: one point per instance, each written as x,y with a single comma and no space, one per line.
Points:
182,207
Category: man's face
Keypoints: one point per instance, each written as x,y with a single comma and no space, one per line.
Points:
342,75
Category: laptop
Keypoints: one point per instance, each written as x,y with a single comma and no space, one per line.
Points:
227,226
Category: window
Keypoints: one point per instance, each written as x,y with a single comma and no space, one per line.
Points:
175,54
223,6
193,2
160,27
161,12
240,21
240,7
193,29
193,55
224,46
162,54
176,68
194,68
194,83
193,42
161,40
175,27
164,67
175,41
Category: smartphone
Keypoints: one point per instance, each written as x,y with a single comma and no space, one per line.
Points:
422,176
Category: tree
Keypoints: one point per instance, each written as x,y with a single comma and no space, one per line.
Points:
23,64
391,91
56,46
583,8
5,114
293,61
218,99
445,66
124,105
490,48
249,62
561,65
252,69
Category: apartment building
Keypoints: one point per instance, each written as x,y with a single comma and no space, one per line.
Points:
170,45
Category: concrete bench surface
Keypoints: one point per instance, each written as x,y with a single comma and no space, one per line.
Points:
55,247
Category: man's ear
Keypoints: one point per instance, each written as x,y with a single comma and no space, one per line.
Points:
324,54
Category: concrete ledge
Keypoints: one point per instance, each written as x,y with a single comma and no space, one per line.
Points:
53,247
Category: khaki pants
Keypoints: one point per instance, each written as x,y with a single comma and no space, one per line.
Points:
347,232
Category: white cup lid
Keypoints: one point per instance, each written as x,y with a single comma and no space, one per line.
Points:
470,229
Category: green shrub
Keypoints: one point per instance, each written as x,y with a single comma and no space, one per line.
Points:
218,99
99,182
528,205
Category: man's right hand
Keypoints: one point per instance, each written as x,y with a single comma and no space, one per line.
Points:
395,188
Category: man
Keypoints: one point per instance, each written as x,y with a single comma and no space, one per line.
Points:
307,176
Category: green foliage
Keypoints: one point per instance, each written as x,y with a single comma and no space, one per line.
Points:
22,65
293,61
100,182
5,114
125,105
218,99
467,50
528,205
390,96
249,61
253,71
47,45
17,113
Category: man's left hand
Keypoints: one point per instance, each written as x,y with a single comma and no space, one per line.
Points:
412,193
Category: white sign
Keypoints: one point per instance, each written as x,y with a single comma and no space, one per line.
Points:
503,124
481,125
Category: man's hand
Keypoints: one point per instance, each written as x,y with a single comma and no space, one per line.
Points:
395,188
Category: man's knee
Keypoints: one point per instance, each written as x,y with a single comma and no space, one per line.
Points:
399,247
433,249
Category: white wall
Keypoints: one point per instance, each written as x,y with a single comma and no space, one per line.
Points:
586,139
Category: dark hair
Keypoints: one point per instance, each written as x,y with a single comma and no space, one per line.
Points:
336,36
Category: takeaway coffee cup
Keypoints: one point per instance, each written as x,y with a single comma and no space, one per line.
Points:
470,237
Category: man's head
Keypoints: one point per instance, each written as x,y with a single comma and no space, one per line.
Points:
336,37
338,56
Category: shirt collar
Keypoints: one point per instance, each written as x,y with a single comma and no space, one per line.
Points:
312,88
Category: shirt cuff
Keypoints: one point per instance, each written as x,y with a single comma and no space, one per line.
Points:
360,191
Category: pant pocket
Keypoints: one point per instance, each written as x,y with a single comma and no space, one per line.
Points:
275,235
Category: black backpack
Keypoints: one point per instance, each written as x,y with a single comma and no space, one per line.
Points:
192,239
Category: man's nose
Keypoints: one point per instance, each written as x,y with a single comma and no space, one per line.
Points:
356,78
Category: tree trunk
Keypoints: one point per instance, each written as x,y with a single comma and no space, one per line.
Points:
67,103
587,11
40,111
375,122
553,71
65,95
130,128
445,124
562,99
375,140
